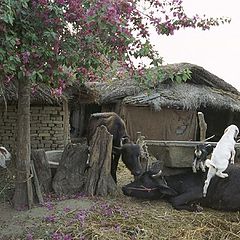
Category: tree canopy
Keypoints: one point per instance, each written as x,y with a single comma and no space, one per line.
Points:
59,41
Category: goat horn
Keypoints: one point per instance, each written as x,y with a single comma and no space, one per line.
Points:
208,138
157,174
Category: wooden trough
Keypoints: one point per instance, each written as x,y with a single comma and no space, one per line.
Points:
178,154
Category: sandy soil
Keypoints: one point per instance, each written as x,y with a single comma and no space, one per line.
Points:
13,223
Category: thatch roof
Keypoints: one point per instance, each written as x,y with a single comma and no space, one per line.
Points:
80,93
42,95
204,89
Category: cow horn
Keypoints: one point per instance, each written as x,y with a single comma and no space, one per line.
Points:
208,138
157,174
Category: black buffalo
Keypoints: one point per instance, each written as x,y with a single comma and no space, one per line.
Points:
122,146
184,191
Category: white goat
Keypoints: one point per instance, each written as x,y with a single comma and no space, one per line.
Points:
222,153
4,156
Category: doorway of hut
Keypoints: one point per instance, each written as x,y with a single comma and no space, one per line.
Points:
217,120
79,117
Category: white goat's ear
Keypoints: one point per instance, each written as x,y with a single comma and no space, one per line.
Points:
226,129
236,133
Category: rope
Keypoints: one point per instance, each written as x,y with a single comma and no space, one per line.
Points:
143,188
20,171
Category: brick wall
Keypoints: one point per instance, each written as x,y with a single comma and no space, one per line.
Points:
47,127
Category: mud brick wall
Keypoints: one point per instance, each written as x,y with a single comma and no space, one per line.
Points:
47,127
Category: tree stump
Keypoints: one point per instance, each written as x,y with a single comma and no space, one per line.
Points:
99,179
70,178
43,170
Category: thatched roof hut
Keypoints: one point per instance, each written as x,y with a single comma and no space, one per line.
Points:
203,89
168,101
49,118
42,95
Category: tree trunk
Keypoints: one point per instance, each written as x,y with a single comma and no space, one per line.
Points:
70,177
99,179
23,197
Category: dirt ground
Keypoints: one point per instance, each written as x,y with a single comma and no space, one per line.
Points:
15,223
113,218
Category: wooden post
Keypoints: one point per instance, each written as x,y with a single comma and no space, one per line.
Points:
36,184
81,120
99,179
66,130
43,170
202,126
144,158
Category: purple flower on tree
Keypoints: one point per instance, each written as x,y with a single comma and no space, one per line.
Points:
25,57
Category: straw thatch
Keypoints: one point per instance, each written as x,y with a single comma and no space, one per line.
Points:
187,96
78,92
204,89
42,95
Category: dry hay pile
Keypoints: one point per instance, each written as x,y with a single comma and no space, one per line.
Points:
6,183
121,217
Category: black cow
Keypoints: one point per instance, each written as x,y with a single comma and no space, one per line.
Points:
121,144
184,191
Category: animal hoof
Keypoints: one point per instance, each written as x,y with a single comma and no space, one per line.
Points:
199,208
196,207
224,175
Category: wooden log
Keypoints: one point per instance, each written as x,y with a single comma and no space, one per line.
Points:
66,121
70,177
99,180
43,170
36,184
202,126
